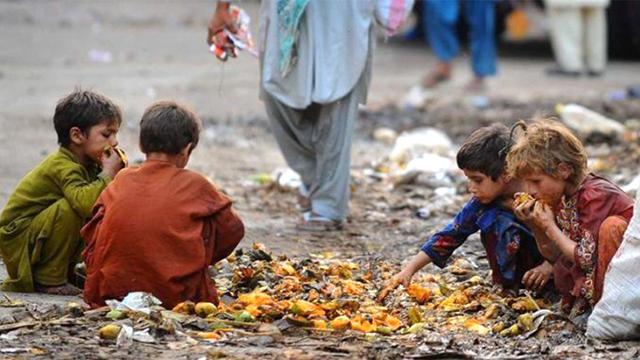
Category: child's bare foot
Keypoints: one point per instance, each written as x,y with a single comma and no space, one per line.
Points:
66,289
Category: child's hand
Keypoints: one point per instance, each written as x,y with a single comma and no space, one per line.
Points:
524,209
403,277
536,278
542,215
111,163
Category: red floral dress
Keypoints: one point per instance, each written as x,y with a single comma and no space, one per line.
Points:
580,218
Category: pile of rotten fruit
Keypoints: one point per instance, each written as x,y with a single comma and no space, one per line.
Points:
323,294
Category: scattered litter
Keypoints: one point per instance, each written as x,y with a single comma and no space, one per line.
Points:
418,142
125,337
479,101
143,337
135,301
418,97
287,179
100,56
587,123
385,135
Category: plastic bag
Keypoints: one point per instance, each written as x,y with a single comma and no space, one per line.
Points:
392,13
241,40
135,301
617,314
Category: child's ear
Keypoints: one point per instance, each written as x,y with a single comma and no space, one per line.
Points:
76,135
505,178
564,171
187,150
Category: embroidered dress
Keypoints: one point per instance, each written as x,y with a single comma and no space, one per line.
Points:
511,248
581,218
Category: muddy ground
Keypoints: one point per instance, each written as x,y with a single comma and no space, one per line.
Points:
140,51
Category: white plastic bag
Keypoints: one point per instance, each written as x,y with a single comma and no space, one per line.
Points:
617,315
392,13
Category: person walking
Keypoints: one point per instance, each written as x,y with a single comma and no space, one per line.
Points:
441,17
578,36
315,66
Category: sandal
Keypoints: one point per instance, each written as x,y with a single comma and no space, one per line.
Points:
65,290
304,203
316,223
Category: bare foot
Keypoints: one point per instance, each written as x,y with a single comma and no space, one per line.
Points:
66,289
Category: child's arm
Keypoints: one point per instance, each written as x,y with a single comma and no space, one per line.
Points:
439,247
80,193
229,230
543,218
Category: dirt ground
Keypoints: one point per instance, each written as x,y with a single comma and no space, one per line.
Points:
139,51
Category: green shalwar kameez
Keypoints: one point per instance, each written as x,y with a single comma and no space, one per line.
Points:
40,224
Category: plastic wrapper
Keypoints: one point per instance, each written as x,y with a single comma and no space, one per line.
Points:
241,40
135,301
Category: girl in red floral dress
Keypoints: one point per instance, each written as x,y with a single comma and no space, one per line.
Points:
577,217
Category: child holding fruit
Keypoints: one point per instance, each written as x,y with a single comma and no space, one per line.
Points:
511,249
578,218
40,224
158,227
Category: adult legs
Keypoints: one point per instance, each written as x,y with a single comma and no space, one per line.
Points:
480,16
332,144
595,39
292,129
316,143
566,37
440,18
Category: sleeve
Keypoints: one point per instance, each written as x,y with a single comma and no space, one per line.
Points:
227,231
443,243
90,231
80,193
223,227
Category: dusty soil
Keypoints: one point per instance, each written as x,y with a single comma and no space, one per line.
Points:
140,51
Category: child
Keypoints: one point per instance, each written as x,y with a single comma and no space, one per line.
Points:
579,218
511,248
40,224
158,227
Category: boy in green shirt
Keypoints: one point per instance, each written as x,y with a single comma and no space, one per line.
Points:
40,224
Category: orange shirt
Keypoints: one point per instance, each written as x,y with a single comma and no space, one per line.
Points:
156,228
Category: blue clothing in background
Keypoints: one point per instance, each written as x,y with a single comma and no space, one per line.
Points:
440,18
511,247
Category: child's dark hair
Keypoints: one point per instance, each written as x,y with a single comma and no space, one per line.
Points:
485,150
167,127
83,109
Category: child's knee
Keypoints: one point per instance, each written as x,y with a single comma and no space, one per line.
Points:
613,228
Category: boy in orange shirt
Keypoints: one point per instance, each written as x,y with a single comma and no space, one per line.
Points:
158,227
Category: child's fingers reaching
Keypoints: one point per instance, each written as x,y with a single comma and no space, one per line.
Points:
530,279
542,281
389,287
